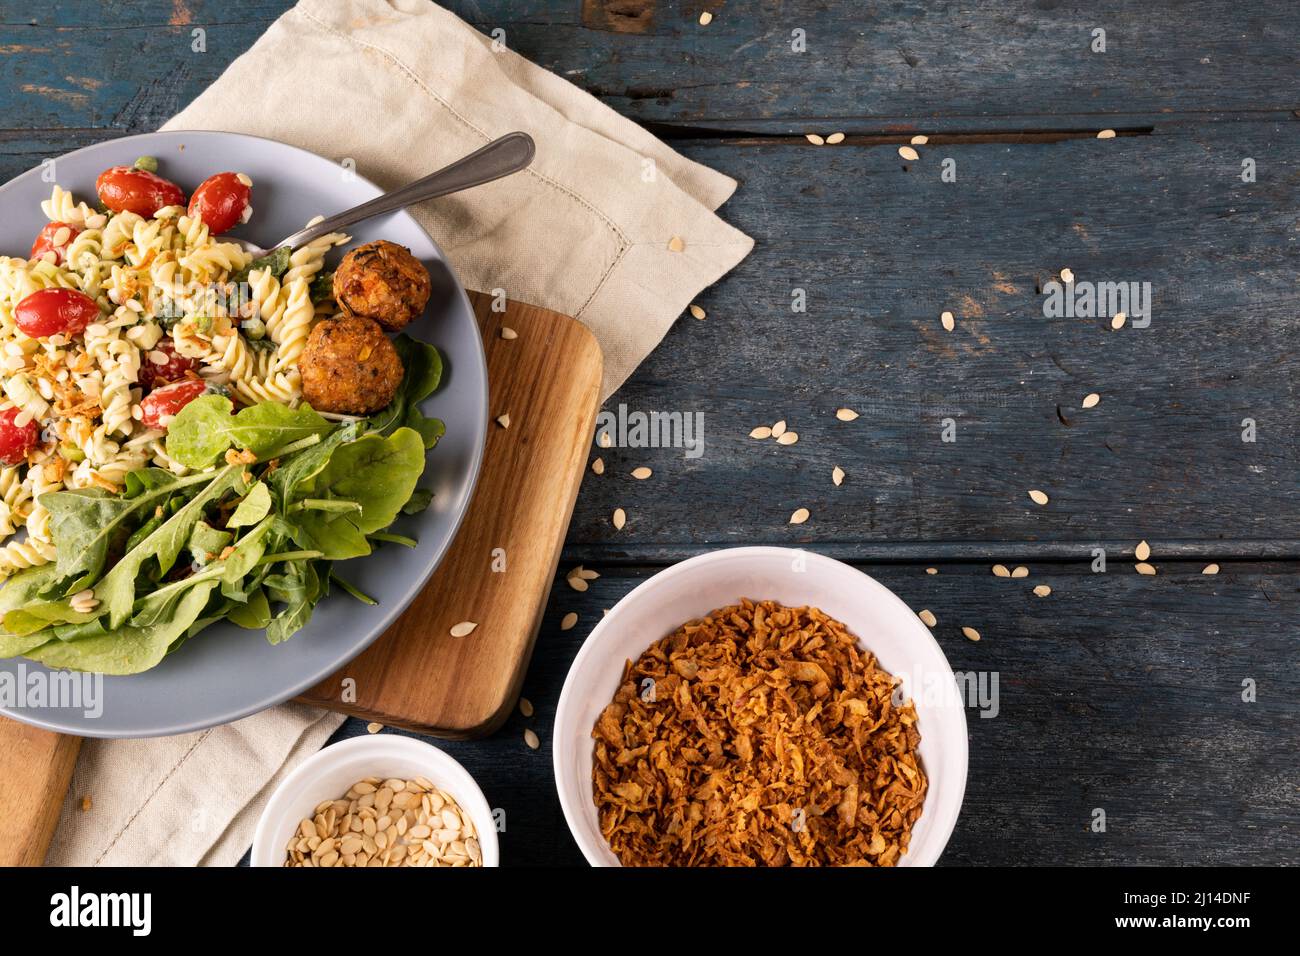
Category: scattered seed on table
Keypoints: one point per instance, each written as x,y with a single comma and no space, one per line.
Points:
576,580
1067,276
1091,399
778,429
697,311
970,633
374,727
837,475
814,139
676,244
642,473
927,618
1142,551
846,414
605,440
508,333
586,573
463,628
787,438
567,622
504,420
761,432
931,570
598,466
908,153
1210,569
1042,590
1000,571
531,739
1143,568
1106,134
1037,497
706,18
1020,571
620,518
525,706
1118,321
835,139
947,321
800,516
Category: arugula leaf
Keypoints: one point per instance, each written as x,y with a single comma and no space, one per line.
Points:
255,506
277,260
307,463
128,649
205,428
84,523
116,590
206,543
299,588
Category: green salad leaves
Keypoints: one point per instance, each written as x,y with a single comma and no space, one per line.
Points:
278,494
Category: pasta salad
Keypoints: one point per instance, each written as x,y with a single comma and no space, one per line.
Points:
124,313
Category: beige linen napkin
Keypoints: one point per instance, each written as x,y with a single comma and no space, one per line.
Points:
609,225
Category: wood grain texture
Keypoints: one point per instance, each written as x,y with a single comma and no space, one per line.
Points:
35,772
881,247
498,570
1137,711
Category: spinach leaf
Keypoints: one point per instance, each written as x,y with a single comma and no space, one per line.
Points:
131,648
377,473
254,614
420,499
23,587
423,372
203,430
322,286
305,464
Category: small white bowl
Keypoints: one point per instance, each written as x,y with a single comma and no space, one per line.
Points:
884,624
328,774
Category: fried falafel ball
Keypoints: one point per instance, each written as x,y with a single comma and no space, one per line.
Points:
382,281
349,366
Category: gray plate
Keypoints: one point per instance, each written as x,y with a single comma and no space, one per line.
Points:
226,673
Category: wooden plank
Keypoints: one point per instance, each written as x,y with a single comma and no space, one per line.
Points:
35,772
908,66
498,570
1139,714
881,247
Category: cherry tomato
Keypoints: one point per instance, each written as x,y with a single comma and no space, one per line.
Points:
220,201
48,312
153,375
127,189
159,406
16,440
45,241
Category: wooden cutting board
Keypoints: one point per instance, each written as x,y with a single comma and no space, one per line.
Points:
417,675
498,572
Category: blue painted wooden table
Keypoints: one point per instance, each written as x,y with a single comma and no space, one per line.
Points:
1169,701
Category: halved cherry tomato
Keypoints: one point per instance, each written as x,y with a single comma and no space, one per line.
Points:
153,375
127,189
159,406
220,201
45,241
48,312
16,440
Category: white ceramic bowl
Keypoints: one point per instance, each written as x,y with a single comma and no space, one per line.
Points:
329,773
882,622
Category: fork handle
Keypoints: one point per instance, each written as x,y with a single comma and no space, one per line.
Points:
501,157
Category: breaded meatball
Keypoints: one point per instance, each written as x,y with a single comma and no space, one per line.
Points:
349,366
382,281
